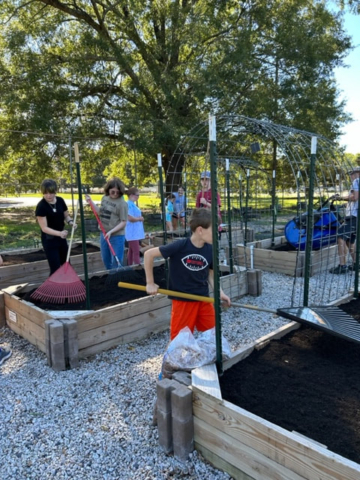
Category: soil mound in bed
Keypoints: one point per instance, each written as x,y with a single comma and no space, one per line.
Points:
104,292
308,382
16,259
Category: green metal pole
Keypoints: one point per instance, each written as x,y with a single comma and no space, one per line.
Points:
83,233
71,175
231,264
215,235
247,203
161,185
185,204
240,199
163,212
273,197
310,222
357,256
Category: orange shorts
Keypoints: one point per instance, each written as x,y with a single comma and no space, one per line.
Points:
191,314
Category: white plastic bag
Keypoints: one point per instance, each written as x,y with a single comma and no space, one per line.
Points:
186,352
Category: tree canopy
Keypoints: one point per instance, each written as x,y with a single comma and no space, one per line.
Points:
129,78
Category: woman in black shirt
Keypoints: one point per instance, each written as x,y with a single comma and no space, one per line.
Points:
51,214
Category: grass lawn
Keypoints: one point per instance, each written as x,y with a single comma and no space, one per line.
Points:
18,227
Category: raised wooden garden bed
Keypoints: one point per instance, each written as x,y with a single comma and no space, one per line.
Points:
289,262
38,271
247,446
104,328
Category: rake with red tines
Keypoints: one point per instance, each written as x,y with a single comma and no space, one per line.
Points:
64,284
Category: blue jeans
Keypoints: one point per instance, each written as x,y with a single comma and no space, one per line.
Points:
118,244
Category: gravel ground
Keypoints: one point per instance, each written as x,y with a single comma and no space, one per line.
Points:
95,422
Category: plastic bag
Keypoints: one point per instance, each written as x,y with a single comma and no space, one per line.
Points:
186,352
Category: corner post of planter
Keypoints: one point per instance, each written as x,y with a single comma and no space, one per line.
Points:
231,263
310,222
83,233
215,235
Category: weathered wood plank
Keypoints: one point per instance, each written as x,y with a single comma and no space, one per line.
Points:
38,272
115,313
206,379
26,328
138,326
288,263
27,310
222,464
104,342
244,458
300,456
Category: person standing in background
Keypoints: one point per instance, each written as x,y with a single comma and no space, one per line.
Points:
169,211
113,213
52,213
204,197
346,234
179,208
134,231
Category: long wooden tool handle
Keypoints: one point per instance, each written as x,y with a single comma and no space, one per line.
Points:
104,232
253,307
72,232
172,293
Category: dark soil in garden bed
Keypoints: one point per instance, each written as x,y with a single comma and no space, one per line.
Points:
15,259
104,291
308,382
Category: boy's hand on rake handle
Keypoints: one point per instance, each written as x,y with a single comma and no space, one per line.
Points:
152,288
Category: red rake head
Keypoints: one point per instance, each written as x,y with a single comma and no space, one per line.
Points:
61,285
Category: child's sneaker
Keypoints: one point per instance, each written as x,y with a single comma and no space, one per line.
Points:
4,355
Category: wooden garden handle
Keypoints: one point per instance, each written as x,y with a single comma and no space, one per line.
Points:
188,296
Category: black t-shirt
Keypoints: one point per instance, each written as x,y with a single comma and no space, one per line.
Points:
189,266
55,220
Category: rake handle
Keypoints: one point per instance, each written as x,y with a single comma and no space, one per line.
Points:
172,293
104,231
72,233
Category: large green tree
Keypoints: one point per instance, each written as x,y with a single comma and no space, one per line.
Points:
140,73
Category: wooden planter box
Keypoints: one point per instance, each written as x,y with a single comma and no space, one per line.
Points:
250,448
289,263
104,328
38,272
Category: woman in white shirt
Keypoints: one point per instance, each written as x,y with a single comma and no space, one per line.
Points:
134,231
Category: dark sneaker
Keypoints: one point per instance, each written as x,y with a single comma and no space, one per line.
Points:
339,269
4,355
351,268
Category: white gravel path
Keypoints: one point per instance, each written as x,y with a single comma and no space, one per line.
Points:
95,422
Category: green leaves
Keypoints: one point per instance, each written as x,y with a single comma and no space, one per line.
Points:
141,74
